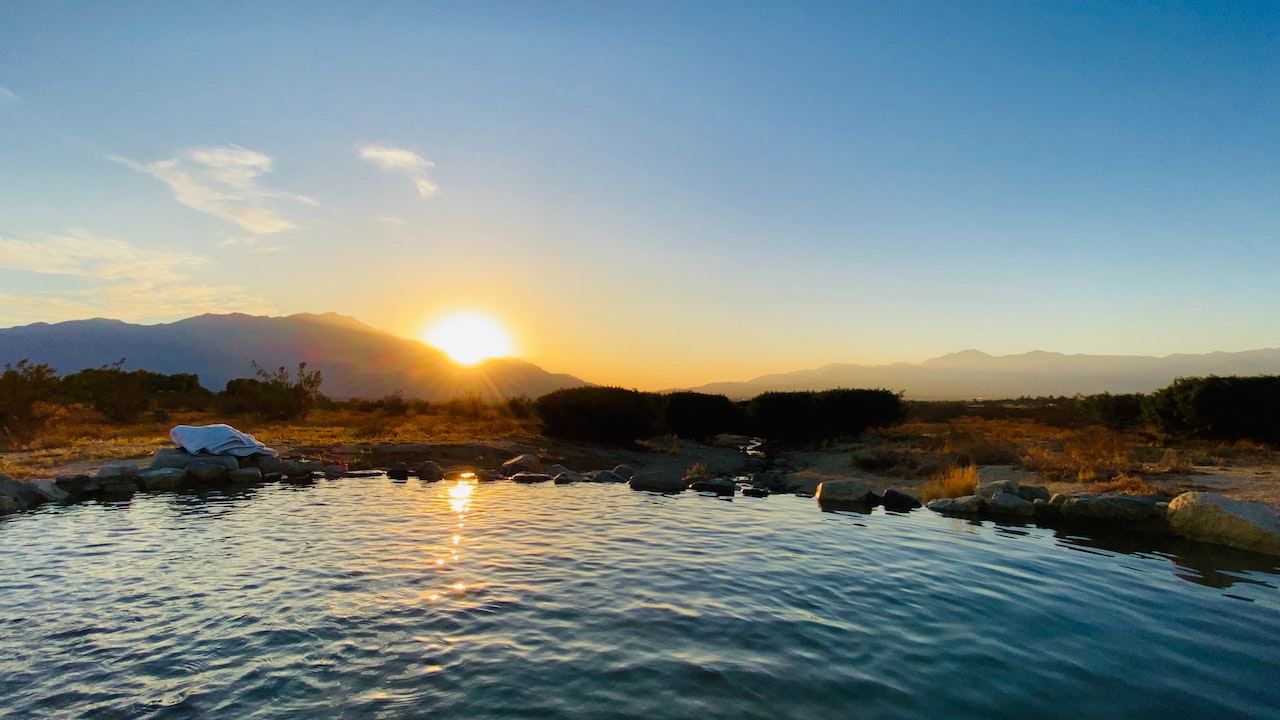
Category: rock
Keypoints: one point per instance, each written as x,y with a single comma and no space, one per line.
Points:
896,501
560,471
119,490
1031,493
719,486
429,471
208,473
268,464
8,504
179,458
1006,504
121,472
521,463
755,491
656,481
1212,518
49,490
605,476
530,477
299,469
398,471
991,488
78,485
24,496
625,471
245,476
846,492
489,475
768,479
168,478
1098,508
967,505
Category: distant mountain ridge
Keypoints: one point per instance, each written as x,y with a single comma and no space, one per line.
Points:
356,360
974,374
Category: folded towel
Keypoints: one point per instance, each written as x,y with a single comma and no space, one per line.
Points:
217,440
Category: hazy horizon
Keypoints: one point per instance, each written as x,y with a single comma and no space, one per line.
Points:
662,195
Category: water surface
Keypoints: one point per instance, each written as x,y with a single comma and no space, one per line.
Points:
365,598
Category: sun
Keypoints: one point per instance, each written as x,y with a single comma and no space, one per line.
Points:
469,338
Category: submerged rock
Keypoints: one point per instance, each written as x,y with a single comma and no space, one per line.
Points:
1209,517
754,491
719,486
398,471
531,477
657,482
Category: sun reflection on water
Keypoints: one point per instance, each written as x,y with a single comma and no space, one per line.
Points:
459,496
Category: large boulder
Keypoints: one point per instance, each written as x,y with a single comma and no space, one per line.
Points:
208,473
1106,508
846,492
767,479
300,469
398,471
1009,505
1212,518
521,463
656,481
78,485
991,488
626,471
120,472
245,476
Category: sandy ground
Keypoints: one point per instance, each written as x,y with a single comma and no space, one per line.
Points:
802,470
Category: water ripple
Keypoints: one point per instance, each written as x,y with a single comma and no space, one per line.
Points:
362,598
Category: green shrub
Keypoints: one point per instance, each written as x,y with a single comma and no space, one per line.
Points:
1117,412
275,395
598,414
813,416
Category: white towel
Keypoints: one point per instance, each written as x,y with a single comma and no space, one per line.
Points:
217,440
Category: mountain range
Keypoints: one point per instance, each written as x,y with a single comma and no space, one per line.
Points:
355,360
972,374
361,361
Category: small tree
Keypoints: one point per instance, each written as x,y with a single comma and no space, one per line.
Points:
276,395
25,389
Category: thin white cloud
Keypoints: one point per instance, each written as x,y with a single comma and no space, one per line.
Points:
92,276
252,244
7,95
405,162
223,182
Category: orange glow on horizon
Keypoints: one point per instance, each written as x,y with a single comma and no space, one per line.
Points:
469,338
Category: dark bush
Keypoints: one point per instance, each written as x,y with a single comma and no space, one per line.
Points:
1117,412
698,416
812,416
1218,408
598,414
24,389
274,396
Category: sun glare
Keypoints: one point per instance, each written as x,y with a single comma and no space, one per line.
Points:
468,339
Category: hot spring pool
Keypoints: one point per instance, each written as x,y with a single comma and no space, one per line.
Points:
366,598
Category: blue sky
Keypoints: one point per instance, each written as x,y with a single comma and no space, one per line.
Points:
655,194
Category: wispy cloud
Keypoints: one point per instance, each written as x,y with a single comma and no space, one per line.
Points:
223,182
252,244
7,95
405,162
93,276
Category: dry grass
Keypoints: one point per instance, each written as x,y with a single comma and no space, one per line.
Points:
79,435
1125,484
953,482
698,469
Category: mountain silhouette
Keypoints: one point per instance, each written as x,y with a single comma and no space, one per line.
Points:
356,360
